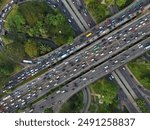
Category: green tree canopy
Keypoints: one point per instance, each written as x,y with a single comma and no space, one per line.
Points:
31,48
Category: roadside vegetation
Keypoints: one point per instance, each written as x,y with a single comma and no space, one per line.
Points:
32,24
3,3
48,110
141,70
33,29
142,105
7,68
104,96
74,104
99,9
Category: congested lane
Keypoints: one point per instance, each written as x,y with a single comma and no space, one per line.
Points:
59,97
73,66
80,42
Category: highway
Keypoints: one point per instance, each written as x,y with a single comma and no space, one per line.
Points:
65,12
86,99
80,42
79,16
137,83
3,14
98,52
134,86
73,66
125,90
126,103
122,82
125,76
119,77
76,85
80,6
117,46
84,18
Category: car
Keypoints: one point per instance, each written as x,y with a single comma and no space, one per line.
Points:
93,71
48,86
50,81
116,61
84,79
69,20
110,52
12,104
58,91
63,91
106,67
28,97
12,1
85,14
92,59
102,54
123,68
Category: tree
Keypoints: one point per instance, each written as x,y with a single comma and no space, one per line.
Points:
15,52
6,69
31,48
15,21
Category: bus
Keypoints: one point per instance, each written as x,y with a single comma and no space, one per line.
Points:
27,61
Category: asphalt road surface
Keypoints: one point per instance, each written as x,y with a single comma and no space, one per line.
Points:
80,42
76,85
74,66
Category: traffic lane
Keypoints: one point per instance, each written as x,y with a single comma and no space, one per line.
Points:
77,13
120,19
62,54
83,11
99,72
127,85
70,19
134,85
121,32
127,103
130,80
132,50
34,93
71,73
65,3
6,9
114,21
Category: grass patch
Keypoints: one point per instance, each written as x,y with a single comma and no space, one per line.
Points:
142,105
104,93
7,68
141,70
74,104
123,3
3,3
48,110
98,9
